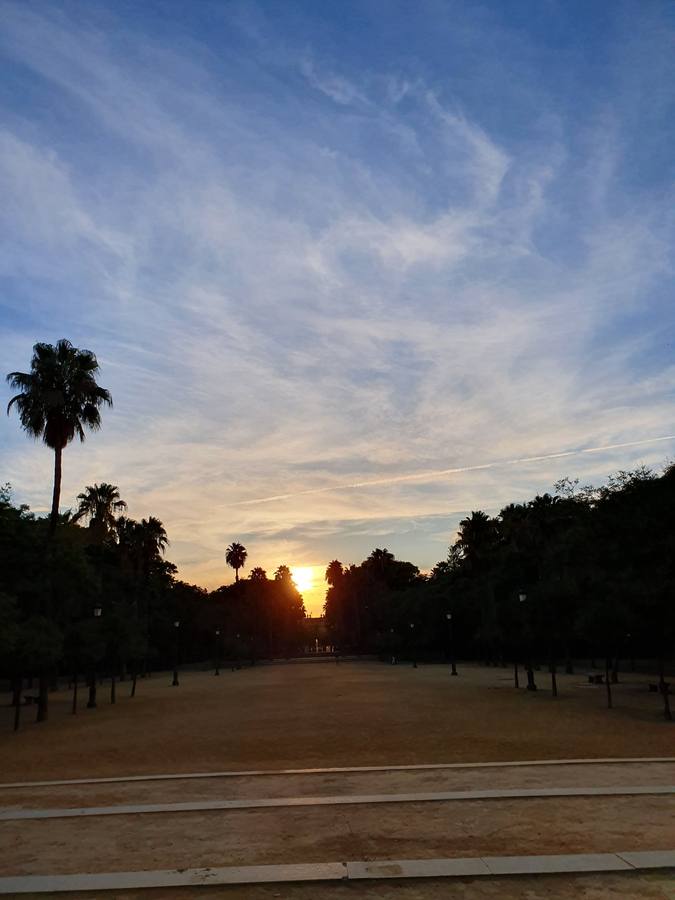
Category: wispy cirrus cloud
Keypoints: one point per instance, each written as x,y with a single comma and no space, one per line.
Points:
302,278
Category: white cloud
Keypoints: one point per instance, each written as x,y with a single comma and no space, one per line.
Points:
280,308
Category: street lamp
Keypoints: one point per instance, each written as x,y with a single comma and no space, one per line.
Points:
413,645
531,686
175,682
217,672
453,667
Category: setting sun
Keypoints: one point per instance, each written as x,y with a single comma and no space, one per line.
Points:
303,578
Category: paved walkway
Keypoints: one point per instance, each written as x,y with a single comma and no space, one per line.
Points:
341,871
601,808
9,815
340,769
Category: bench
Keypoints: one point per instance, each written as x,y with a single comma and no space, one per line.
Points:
596,678
29,699
656,688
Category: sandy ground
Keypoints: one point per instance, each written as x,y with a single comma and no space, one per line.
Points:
338,784
324,834
301,716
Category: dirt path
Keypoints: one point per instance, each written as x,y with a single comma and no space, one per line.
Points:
300,716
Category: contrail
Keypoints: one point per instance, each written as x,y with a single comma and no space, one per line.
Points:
432,474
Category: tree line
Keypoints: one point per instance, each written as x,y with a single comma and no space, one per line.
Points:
584,572
89,592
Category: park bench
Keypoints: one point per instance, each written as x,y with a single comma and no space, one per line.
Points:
656,688
29,699
596,678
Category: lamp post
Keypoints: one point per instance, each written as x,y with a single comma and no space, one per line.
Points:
531,686
413,646
175,682
217,672
453,667
91,703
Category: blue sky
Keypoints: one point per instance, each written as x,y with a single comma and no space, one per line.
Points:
328,252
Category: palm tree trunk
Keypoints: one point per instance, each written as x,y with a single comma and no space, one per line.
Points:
236,574
615,671
56,496
663,688
43,698
91,703
554,680
16,702
608,682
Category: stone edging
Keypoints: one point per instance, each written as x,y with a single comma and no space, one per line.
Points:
7,815
349,871
337,770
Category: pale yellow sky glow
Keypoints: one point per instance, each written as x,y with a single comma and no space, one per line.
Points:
309,580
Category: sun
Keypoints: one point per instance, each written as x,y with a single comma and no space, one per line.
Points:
303,578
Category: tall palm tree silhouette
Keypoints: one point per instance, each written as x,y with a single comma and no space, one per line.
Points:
235,556
58,399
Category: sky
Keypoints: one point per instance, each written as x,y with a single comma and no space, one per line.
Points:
351,270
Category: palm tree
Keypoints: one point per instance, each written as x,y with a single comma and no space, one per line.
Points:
334,572
477,537
152,538
99,503
58,399
381,558
235,556
141,544
258,574
283,573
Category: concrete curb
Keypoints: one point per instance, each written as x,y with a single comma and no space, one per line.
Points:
10,815
339,769
486,866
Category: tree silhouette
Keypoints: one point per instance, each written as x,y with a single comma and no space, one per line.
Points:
258,574
334,572
99,503
477,537
235,556
58,399
283,573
